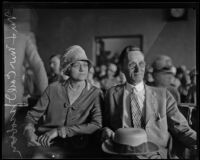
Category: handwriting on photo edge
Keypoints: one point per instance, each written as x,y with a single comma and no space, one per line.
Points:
10,94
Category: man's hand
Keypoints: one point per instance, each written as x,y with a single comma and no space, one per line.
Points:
31,138
106,134
46,138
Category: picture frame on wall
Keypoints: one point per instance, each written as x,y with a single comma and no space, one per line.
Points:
108,48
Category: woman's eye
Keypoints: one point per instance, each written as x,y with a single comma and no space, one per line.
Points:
76,65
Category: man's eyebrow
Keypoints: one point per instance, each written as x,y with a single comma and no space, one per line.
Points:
131,62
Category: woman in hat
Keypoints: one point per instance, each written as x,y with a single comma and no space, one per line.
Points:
67,109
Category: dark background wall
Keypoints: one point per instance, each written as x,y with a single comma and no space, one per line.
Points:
56,29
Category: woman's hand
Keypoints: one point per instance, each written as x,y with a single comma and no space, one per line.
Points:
31,138
46,138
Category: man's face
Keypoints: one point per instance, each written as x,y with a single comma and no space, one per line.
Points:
134,67
91,73
111,70
79,70
55,65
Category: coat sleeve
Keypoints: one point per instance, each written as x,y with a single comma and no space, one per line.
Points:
37,111
178,124
36,65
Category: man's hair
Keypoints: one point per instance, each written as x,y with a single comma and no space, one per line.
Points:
125,51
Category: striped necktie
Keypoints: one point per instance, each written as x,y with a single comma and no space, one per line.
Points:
135,110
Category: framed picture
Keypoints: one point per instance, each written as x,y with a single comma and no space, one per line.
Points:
108,48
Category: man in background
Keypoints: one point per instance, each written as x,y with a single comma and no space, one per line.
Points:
164,74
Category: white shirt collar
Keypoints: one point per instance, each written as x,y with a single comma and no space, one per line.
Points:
139,87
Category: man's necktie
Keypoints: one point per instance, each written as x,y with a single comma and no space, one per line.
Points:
135,110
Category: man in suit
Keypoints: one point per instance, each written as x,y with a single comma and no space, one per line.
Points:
153,109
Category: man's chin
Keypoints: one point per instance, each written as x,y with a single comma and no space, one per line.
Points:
80,79
137,79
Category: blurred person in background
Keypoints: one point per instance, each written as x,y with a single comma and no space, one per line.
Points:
175,82
55,73
180,71
184,87
163,75
110,79
31,91
192,99
18,48
148,78
91,78
192,92
102,72
121,78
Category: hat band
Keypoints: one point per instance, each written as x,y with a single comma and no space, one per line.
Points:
165,69
122,148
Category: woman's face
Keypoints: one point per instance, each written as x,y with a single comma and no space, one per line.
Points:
79,70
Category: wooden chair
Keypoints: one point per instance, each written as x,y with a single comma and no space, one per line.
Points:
189,110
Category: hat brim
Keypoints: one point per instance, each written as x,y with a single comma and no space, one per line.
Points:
164,70
87,60
108,147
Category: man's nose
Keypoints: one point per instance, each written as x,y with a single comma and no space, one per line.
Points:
136,68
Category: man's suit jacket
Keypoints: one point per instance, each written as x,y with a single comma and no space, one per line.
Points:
161,115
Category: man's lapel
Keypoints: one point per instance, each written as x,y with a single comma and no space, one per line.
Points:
151,104
118,100
118,95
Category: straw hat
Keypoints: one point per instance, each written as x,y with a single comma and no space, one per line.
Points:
73,54
129,141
